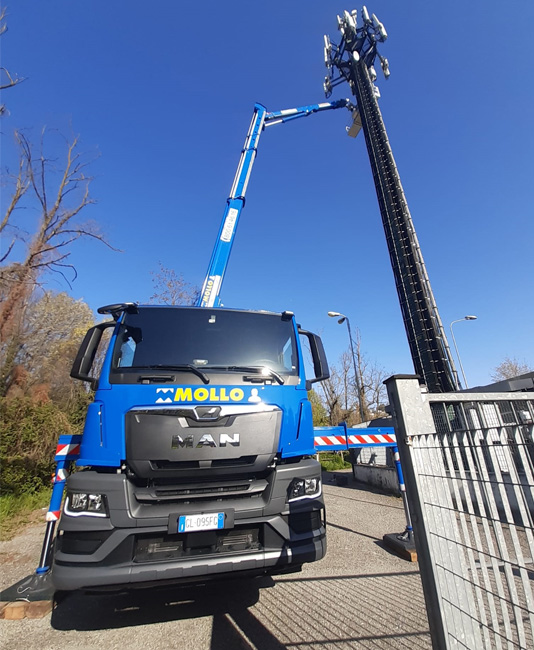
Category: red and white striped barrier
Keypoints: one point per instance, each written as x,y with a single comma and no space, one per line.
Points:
372,439
329,441
339,438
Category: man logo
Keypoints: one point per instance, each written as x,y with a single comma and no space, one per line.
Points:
207,440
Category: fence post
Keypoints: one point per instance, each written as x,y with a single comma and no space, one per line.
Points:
412,415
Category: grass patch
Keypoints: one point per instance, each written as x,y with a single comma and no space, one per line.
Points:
333,461
18,510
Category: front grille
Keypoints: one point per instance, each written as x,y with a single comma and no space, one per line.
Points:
242,461
167,443
163,548
202,492
234,462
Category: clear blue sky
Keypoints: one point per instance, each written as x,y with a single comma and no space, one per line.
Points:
164,92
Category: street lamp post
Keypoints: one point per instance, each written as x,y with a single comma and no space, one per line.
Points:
456,348
357,379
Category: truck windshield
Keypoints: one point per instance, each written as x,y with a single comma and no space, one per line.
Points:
160,337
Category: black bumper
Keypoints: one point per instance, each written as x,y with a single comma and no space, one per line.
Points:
264,535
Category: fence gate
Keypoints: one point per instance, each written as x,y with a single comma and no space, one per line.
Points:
468,461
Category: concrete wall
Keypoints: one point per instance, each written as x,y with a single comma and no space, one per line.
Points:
378,476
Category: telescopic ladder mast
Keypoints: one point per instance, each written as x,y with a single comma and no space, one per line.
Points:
352,61
211,289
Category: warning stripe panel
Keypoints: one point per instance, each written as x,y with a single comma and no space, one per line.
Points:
329,441
382,439
65,451
60,475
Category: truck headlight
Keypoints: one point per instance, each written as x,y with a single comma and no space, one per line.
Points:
304,488
85,503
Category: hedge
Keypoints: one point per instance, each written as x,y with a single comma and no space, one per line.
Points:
29,435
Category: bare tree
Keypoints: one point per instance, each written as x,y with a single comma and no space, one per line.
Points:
346,399
171,288
60,193
371,391
7,80
510,368
339,394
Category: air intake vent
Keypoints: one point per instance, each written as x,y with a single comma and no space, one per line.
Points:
204,491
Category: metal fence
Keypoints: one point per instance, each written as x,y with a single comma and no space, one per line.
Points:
468,460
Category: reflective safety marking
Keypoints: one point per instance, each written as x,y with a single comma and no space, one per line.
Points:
355,440
61,475
327,441
62,451
53,515
378,439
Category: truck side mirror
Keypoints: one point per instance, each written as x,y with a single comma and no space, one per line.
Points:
320,364
86,354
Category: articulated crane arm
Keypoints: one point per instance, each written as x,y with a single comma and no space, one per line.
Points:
210,295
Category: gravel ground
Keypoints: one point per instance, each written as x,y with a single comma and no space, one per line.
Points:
359,596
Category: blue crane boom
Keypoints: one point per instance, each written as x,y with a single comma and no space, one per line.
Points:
211,289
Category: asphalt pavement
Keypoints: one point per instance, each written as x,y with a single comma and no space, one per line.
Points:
359,596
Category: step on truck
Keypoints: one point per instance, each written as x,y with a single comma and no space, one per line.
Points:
197,456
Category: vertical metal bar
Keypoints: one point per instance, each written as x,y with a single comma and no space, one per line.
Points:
402,488
509,564
449,550
527,519
411,418
459,495
470,491
44,564
482,489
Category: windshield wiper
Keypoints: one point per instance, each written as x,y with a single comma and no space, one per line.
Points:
264,371
188,366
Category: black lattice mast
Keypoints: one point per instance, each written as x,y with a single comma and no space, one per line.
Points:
353,61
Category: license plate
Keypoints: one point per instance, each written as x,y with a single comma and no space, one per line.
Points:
191,523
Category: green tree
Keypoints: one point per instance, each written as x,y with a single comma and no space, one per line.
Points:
320,416
53,328
30,432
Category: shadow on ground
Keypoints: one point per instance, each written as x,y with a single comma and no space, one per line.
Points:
96,611
349,610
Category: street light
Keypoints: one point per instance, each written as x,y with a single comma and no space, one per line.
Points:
343,319
456,347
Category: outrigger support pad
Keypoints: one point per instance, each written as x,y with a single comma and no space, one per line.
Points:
402,544
36,587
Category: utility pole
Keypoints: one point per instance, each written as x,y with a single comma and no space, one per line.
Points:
353,61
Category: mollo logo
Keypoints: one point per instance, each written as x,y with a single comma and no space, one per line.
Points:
201,394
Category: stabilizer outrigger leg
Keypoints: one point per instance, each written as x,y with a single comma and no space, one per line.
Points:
38,586
404,543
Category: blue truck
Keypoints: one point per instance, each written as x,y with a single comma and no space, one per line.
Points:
197,456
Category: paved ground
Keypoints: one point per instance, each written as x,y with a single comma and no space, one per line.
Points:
359,596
